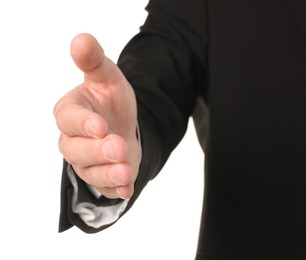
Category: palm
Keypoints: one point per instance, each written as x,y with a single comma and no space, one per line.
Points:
115,102
107,92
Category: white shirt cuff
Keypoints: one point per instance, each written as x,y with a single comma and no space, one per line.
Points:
94,216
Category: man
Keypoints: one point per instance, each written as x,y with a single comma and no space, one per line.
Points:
239,68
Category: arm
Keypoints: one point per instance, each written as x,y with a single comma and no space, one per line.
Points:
163,64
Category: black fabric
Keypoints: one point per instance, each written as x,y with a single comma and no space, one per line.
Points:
245,61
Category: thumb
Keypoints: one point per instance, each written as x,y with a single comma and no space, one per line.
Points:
89,57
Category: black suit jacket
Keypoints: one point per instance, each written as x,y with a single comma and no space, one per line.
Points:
239,68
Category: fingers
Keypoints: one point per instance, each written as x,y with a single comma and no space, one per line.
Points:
123,192
111,180
76,120
89,56
102,163
84,152
107,175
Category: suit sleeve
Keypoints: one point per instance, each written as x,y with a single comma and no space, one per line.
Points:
165,64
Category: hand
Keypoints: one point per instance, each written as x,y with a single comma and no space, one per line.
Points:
98,122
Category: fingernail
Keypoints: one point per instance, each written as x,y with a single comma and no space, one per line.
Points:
114,175
118,190
90,128
108,150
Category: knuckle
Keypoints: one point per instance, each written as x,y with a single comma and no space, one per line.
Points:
56,109
58,114
60,143
120,146
66,150
90,149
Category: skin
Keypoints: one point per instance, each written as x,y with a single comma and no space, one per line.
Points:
97,122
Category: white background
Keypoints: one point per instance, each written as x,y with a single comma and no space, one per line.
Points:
35,71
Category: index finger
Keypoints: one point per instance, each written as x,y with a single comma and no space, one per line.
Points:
77,120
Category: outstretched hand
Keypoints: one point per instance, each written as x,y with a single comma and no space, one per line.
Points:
98,122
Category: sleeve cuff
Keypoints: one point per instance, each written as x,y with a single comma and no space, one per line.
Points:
91,214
